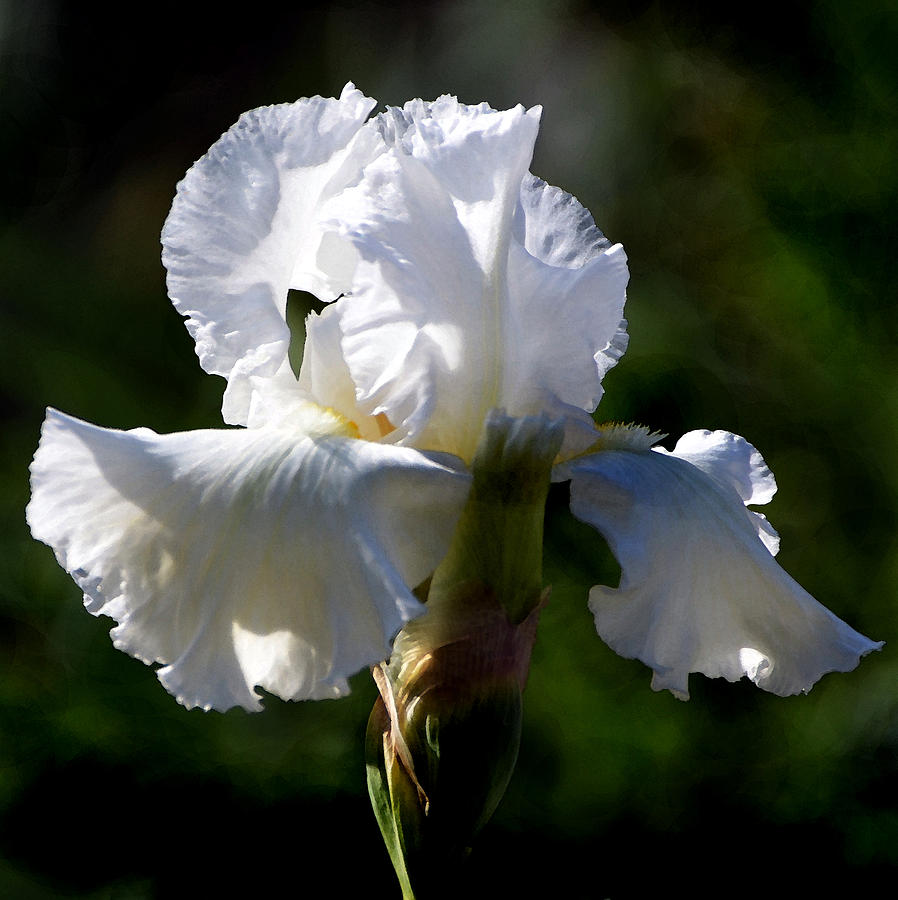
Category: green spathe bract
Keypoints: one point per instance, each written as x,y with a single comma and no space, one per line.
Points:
443,737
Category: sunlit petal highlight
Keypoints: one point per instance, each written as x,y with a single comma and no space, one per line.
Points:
238,558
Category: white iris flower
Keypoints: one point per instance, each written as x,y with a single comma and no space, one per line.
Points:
283,554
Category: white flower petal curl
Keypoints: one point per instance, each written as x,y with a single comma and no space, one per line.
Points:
239,558
699,590
244,229
729,459
577,280
477,285
732,461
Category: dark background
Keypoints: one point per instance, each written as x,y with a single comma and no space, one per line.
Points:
746,160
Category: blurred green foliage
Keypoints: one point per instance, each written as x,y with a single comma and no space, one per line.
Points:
746,159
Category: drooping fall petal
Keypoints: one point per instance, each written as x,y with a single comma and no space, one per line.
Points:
237,558
700,590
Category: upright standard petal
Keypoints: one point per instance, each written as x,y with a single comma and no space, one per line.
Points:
572,283
244,229
700,590
238,558
477,286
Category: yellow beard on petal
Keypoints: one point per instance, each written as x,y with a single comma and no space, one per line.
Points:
625,436
617,436
317,421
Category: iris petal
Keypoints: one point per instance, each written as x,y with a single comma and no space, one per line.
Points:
238,558
244,229
700,591
569,283
732,461
477,285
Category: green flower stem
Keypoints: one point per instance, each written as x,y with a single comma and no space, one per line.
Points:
443,737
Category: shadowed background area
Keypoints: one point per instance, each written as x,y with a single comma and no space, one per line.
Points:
746,160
